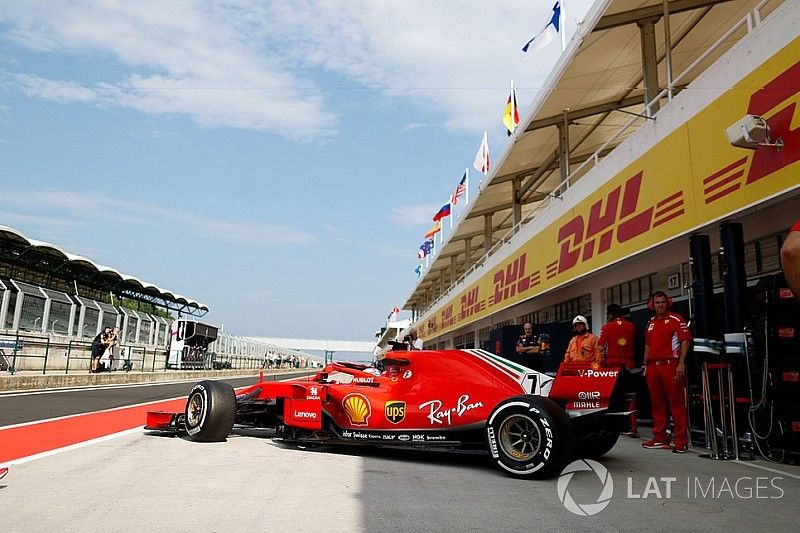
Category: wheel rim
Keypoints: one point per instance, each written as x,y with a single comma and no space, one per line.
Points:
194,411
520,437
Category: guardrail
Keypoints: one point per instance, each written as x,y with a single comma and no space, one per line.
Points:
749,21
17,343
24,352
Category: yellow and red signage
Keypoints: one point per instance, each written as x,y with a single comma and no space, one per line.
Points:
690,178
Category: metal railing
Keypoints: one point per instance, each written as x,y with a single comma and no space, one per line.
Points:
750,21
20,345
19,350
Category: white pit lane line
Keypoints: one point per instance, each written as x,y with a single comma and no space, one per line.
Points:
768,469
78,445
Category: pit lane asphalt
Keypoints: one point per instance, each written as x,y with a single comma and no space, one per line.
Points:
140,482
30,406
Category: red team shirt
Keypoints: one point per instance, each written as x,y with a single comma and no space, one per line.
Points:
617,336
665,335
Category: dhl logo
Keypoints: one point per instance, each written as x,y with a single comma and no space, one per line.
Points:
470,303
614,217
777,102
447,317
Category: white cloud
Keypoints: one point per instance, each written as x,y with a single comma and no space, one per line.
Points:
58,91
415,125
412,216
106,208
184,58
238,63
10,218
452,56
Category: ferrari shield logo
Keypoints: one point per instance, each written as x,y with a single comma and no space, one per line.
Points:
395,411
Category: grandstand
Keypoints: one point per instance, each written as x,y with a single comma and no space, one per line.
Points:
50,298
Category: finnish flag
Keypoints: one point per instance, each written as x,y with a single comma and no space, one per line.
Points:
546,36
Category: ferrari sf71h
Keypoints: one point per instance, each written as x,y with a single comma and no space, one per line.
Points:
530,423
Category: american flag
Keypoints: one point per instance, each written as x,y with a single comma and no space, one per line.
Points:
460,188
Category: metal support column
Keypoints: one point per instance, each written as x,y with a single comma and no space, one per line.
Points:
563,151
467,252
516,206
453,265
647,32
667,49
487,233
598,304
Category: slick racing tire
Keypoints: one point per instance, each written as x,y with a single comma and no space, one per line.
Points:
595,445
210,411
529,436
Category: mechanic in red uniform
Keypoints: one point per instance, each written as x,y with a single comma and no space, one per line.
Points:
616,342
666,345
790,259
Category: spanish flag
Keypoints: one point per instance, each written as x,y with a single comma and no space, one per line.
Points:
511,115
434,230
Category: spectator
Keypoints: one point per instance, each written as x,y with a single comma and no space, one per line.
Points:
416,343
528,345
113,346
616,344
790,259
666,345
99,345
583,347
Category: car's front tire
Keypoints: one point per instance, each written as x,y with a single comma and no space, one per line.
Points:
529,436
210,411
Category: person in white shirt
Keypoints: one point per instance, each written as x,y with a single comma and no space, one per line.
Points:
416,342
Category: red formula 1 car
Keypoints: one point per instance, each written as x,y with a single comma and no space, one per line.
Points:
530,423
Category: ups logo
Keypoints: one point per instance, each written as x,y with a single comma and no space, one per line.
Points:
395,411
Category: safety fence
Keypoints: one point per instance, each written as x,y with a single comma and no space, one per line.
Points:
44,354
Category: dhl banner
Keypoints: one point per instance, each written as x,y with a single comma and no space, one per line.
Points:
688,179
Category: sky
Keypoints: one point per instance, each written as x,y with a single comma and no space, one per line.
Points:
277,161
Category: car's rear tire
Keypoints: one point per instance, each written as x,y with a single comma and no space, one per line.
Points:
529,436
210,411
596,445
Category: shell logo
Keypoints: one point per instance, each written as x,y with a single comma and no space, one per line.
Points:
357,409
622,341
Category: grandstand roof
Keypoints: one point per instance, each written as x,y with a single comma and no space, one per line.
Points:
18,250
596,87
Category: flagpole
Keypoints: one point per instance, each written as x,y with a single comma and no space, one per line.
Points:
452,212
467,187
513,107
563,25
